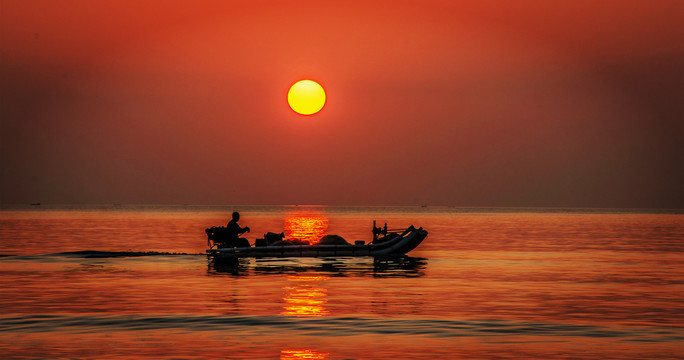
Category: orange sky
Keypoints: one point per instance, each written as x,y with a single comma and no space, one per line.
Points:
492,103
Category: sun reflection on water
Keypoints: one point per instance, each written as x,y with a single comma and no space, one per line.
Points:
310,228
305,297
302,355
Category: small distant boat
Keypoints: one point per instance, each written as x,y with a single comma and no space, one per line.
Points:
385,244
35,204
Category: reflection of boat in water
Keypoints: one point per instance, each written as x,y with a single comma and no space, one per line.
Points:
397,266
387,245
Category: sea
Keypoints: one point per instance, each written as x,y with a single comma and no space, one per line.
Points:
134,282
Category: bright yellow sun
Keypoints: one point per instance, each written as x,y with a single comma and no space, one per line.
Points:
306,97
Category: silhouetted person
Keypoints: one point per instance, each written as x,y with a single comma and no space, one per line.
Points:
234,231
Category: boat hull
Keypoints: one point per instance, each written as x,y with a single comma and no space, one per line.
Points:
400,245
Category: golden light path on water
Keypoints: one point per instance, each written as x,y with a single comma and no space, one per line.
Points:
303,355
306,227
304,296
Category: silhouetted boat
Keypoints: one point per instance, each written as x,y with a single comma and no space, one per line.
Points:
390,244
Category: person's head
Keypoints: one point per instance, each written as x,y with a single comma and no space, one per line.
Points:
236,216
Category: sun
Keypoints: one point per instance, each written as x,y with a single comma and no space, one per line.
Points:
306,97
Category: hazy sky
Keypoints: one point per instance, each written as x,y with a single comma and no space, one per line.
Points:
464,103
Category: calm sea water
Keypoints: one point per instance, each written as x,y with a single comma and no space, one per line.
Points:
133,283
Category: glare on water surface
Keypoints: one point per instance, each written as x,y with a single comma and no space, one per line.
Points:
309,227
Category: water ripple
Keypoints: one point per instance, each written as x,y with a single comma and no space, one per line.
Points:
331,326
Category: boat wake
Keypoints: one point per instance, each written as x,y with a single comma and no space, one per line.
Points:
86,254
112,254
